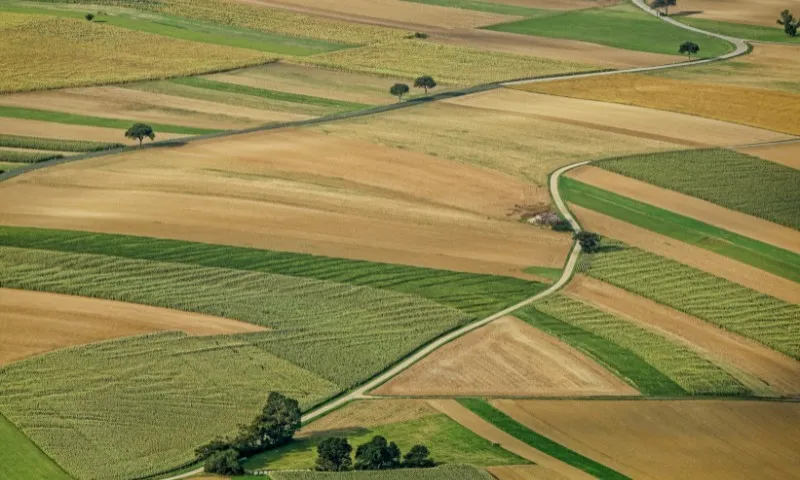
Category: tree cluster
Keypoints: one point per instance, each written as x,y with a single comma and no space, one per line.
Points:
790,24
665,4
590,242
399,89
333,455
273,427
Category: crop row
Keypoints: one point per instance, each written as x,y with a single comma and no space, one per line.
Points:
771,321
19,156
39,143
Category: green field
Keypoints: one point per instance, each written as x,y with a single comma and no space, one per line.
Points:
476,295
622,26
539,442
551,274
746,250
448,441
768,320
7,167
19,156
489,7
445,472
740,30
74,119
730,179
20,458
694,374
39,143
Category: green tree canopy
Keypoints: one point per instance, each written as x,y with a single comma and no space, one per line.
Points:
333,455
273,427
590,242
225,462
689,48
790,24
398,90
426,81
140,130
377,454
418,457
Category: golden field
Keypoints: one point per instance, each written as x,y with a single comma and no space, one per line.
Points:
47,52
749,106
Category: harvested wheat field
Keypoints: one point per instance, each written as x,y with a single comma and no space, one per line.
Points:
296,190
123,103
388,13
369,414
63,131
719,265
32,323
761,369
661,439
518,144
786,153
762,12
757,107
507,357
551,468
675,128
747,225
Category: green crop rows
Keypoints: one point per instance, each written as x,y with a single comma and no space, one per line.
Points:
18,156
39,143
768,320
445,472
695,375
20,458
730,179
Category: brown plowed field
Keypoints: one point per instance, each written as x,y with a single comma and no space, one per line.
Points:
369,414
296,191
787,153
630,120
660,439
707,212
507,357
762,12
481,427
760,368
700,258
34,128
32,323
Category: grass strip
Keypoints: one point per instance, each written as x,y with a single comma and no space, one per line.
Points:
475,294
539,442
21,458
15,156
619,360
74,119
688,230
740,30
199,82
41,143
488,7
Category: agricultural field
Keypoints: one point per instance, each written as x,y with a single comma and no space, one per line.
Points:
786,154
729,179
757,107
755,439
762,13
446,472
20,458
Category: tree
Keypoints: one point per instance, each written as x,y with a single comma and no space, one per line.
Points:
377,454
139,131
790,24
398,90
214,446
89,16
689,48
590,242
418,457
426,82
665,4
333,455
225,462
273,427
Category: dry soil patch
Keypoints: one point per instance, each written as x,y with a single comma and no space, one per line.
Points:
507,357
762,12
32,323
787,153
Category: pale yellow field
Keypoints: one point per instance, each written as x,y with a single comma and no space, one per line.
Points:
761,12
756,107
49,52
558,4
661,439
35,128
369,414
786,154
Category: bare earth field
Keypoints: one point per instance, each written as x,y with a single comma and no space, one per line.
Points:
624,119
762,12
787,154
700,258
370,414
284,190
32,323
661,439
707,212
760,368
507,357
35,128
551,468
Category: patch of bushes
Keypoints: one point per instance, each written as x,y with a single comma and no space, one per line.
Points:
333,455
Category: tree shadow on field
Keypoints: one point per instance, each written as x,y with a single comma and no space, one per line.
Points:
610,248
686,13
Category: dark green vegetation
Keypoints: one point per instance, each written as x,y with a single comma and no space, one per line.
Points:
39,143
445,472
773,322
74,119
338,105
476,295
140,131
741,30
730,179
789,23
752,252
490,7
621,26
19,156
191,30
20,458
539,442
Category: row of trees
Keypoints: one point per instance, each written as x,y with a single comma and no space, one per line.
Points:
333,455
399,89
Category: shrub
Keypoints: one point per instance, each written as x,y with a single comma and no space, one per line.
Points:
418,457
590,242
377,454
89,16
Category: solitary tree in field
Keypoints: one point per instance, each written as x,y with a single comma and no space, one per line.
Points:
590,242
665,4
426,82
377,454
790,24
140,130
89,16
418,457
689,48
398,90
333,455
